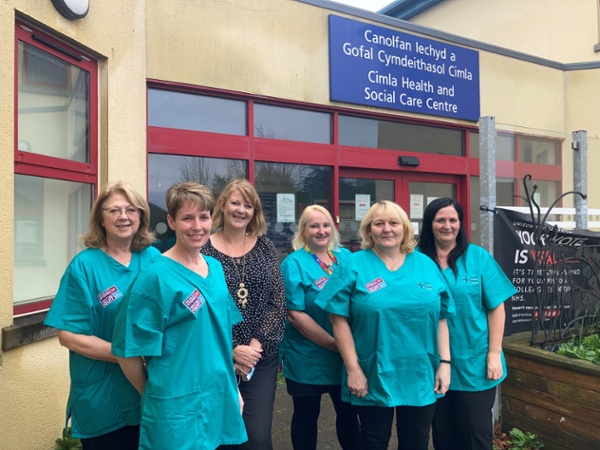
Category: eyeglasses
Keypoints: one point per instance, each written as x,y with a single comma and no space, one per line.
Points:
131,211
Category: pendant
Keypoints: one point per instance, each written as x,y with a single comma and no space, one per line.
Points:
242,294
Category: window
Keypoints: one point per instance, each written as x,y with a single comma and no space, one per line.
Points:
55,162
166,170
539,151
284,191
290,124
195,112
527,149
372,133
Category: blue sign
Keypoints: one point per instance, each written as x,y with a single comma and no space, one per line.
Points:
376,66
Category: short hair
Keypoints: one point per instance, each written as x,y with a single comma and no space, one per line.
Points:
299,241
258,225
96,235
189,191
387,210
427,240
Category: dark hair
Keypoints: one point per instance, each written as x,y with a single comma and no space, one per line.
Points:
427,241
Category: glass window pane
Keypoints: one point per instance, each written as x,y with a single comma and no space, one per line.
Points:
539,151
50,215
388,135
505,146
276,122
166,170
285,190
353,192
547,192
473,144
428,192
196,112
53,106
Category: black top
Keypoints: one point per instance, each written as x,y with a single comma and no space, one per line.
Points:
265,312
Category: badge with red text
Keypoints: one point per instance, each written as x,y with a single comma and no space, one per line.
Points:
321,282
375,285
107,296
195,301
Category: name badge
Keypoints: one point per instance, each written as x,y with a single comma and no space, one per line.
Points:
195,301
375,285
107,296
321,282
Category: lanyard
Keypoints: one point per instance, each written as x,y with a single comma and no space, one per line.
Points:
325,267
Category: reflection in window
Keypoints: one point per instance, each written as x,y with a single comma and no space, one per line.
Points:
53,106
276,122
50,215
505,196
539,151
285,190
356,197
505,146
547,192
371,133
196,112
531,149
166,170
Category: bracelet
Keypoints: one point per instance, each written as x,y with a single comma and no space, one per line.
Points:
445,361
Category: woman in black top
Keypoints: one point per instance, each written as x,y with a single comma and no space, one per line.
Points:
254,280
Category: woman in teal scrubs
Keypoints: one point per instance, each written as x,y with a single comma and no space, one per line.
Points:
463,418
312,365
388,308
173,337
103,406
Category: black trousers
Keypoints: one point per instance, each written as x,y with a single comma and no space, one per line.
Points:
412,425
126,438
307,407
259,397
464,420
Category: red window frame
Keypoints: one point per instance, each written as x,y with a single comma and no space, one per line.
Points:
339,157
43,166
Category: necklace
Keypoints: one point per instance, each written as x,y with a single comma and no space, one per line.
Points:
393,265
125,261
327,268
242,292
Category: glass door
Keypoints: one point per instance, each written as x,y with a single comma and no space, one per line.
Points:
358,190
420,189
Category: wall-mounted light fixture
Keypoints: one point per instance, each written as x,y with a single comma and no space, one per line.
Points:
72,9
408,161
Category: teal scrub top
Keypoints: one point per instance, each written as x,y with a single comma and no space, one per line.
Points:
101,399
394,319
181,323
479,286
303,360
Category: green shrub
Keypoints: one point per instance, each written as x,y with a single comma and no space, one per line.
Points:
67,442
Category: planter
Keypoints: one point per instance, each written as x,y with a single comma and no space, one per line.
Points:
554,396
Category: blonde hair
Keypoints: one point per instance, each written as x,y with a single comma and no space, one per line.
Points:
96,235
189,191
387,210
257,225
299,240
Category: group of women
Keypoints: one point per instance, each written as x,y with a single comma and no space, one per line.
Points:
189,343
